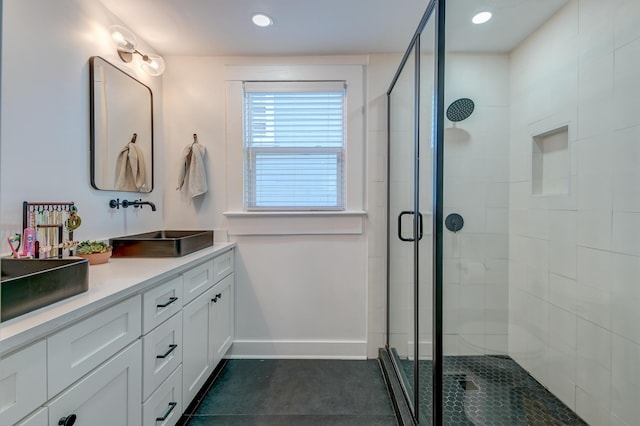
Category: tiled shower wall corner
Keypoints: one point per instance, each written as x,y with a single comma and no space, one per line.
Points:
574,260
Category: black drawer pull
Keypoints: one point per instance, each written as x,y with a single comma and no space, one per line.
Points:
67,421
167,353
171,300
172,405
215,299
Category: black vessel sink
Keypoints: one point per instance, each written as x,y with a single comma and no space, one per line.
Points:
161,243
30,284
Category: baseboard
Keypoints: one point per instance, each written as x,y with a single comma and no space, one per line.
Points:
299,349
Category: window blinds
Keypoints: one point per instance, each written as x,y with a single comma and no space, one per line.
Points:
294,145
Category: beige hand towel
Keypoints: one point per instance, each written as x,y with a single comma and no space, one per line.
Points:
193,172
130,169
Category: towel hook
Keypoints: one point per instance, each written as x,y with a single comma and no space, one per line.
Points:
195,138
133,139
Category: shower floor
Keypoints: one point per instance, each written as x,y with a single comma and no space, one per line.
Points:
490,390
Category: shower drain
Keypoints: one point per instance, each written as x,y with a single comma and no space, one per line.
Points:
468,385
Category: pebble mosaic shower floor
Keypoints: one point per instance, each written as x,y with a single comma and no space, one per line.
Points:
491,390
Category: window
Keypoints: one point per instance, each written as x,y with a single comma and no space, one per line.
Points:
294,145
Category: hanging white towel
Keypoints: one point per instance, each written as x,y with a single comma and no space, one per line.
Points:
193,172
130,169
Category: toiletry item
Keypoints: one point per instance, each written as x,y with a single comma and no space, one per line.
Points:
29,238
11,240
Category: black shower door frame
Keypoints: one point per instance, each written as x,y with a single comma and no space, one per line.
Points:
435,10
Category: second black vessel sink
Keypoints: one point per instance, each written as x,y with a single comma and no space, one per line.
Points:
161,243
30,284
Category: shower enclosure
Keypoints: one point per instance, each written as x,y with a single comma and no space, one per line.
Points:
514,215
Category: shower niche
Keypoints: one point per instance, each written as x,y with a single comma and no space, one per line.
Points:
550,162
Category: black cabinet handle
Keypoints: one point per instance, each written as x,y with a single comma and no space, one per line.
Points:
167,353
67,421
171,300
172,405
215,299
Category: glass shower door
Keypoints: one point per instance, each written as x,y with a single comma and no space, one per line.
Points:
401,195
410,216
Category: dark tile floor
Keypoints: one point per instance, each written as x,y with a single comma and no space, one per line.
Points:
490,390
297,392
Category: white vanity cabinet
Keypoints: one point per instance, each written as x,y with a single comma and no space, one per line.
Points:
23,386
109,395
162,353
222,323
207,326
164,407
90,373
197,354
39,418
78,349
139,361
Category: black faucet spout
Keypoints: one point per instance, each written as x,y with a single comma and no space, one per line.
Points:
149,203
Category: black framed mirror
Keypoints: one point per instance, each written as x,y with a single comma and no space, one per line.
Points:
121,122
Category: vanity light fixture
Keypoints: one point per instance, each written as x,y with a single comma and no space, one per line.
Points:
262,20
125,42
482,17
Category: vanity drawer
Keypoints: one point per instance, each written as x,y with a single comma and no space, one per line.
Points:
160,303
165,403
161,353
22,384
197,280
222,266
78,349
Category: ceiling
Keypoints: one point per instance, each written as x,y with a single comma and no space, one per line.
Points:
321,27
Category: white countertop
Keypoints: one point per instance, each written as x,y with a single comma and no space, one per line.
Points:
109,283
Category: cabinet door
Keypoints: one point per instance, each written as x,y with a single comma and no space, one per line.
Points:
197,345
22,382
162,353
164,407
78,349
222,323
110,395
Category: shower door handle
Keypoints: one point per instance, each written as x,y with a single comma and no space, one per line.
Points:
400,226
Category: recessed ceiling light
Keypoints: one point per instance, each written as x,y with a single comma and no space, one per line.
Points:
481,18
262,20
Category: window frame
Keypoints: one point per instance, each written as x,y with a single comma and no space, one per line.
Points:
241,221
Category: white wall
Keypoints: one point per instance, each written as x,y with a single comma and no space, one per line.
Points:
296,295
575,259
45,116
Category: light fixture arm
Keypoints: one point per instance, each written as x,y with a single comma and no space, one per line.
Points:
125,45
128,56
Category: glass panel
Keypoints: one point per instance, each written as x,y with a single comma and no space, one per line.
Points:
475,280
425,259
401,205
528,275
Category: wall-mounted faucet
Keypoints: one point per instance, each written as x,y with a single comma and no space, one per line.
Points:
115,204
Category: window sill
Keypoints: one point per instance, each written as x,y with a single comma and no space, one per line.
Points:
296,223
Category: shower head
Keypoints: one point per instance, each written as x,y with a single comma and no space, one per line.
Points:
460,109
